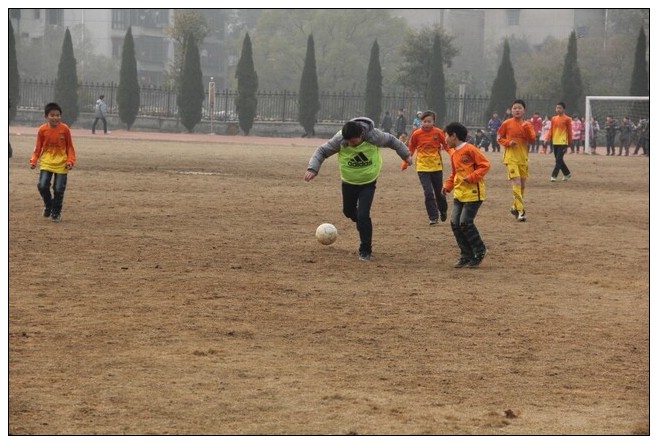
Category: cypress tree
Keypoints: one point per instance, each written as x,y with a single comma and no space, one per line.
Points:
191,92
309,91
436,94
503,91
246,101
572,83
640,77
128,92
66,85
373,107
13,77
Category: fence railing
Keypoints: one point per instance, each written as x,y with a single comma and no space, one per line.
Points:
277,106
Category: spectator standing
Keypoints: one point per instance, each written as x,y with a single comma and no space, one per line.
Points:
416,124
400,123
610,132
626,129
493,125
537,125
387,122
593,134
546,125
576,128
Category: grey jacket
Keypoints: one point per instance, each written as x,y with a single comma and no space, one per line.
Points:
372,135
101,108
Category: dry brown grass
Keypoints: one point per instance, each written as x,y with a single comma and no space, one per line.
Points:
184,293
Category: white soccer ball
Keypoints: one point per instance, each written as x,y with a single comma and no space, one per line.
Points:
326,234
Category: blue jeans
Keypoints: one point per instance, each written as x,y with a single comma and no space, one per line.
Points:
357,201
435,202
463,227
52,201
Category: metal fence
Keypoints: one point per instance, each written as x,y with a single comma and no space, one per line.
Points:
276,106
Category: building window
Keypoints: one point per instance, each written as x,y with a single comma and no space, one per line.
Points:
150,49
120,18
54,16
513,17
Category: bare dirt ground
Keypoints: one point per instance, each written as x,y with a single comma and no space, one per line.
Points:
184,293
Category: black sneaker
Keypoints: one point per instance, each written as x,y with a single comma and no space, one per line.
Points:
365,256
444,216
462,262
514,212
56,217
46,212
477,260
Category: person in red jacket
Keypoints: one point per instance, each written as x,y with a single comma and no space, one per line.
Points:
516,135
469,166
427,142
56,155
537,125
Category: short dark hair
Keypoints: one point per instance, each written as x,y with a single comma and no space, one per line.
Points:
562,105
520,102
428,113
50,107
457,129
102,96
351,130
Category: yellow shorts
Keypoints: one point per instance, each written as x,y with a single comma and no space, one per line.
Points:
515,170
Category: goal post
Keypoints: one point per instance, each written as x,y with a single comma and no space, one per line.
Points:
635,107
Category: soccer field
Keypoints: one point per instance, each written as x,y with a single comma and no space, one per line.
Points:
184,292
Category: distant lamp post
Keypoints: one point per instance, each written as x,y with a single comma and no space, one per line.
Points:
462,92
211,101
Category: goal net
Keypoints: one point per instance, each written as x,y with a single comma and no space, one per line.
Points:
617,107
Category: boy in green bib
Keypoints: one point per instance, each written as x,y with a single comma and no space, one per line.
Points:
360,163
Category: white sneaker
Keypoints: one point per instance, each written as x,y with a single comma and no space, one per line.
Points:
522,217
553,179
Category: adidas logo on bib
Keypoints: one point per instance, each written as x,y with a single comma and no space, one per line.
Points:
360,160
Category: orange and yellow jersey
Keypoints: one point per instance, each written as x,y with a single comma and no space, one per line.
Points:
54,148
521,132
469,166
561,132
428,144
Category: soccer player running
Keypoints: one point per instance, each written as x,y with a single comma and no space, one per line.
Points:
427,142
469,166
561,136
360,163
517,135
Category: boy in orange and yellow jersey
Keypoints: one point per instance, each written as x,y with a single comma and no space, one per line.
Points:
561,135
55,153
469,166
427,142
517,135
